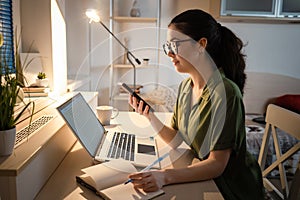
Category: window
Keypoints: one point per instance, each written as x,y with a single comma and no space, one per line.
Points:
6,29
248,7
264,8
289,8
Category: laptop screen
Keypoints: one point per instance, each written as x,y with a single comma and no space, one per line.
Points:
83,122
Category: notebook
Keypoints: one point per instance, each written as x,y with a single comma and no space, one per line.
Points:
103,145
107,180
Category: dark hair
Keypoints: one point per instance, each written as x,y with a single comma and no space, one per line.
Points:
223,45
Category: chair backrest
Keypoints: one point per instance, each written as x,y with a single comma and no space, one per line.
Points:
295,186
289,122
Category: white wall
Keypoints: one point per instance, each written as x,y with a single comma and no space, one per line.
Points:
88,53
272,48
44,32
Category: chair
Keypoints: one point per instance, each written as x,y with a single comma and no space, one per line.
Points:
295,189
289,122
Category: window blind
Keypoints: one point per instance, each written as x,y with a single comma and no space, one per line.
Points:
6,29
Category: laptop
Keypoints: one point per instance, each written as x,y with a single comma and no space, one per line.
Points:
105,145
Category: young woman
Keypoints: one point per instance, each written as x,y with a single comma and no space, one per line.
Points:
209,112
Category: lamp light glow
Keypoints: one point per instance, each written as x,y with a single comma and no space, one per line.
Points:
92,15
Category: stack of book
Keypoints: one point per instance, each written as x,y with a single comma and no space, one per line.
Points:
34,91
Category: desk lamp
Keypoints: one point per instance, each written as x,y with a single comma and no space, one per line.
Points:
93,16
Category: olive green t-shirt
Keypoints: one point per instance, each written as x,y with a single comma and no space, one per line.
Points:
216,122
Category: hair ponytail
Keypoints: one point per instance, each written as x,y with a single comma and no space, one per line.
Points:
231,59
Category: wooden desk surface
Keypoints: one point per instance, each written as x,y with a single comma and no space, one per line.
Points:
62,184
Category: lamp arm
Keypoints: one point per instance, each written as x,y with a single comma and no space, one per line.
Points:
128,52
134,70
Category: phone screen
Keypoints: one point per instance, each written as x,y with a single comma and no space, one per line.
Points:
133,93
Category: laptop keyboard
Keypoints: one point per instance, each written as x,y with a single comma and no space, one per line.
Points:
122,146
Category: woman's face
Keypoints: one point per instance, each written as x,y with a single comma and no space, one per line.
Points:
183,50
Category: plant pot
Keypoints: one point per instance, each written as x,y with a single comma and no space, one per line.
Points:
7,141
42,82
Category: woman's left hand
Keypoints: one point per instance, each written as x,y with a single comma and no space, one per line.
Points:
149,181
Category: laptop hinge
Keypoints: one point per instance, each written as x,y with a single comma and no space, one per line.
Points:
101,144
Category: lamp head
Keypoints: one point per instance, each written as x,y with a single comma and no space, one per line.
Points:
92,15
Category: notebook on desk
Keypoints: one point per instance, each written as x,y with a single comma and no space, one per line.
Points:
105,145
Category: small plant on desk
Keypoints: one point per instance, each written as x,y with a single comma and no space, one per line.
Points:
41,75
42,79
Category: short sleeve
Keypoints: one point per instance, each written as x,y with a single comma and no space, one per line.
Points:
233,129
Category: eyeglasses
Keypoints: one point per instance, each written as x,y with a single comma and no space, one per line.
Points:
172,47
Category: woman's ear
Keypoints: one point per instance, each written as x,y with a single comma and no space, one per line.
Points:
203,42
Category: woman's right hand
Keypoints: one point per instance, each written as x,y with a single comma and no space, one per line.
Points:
138,106
166,133
149,181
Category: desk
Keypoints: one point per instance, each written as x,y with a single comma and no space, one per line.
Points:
62,184
35,159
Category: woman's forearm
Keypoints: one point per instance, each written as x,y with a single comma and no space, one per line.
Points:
168,134
207,169
190,174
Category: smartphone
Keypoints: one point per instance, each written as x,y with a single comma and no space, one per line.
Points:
133,93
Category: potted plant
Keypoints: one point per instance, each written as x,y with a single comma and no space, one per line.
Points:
42,80
9,92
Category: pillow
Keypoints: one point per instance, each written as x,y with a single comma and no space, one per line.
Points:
289,101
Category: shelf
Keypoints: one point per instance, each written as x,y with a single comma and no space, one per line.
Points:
135,19
125,66
129,66
126,25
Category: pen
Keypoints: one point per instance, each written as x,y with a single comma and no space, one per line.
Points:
150,166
